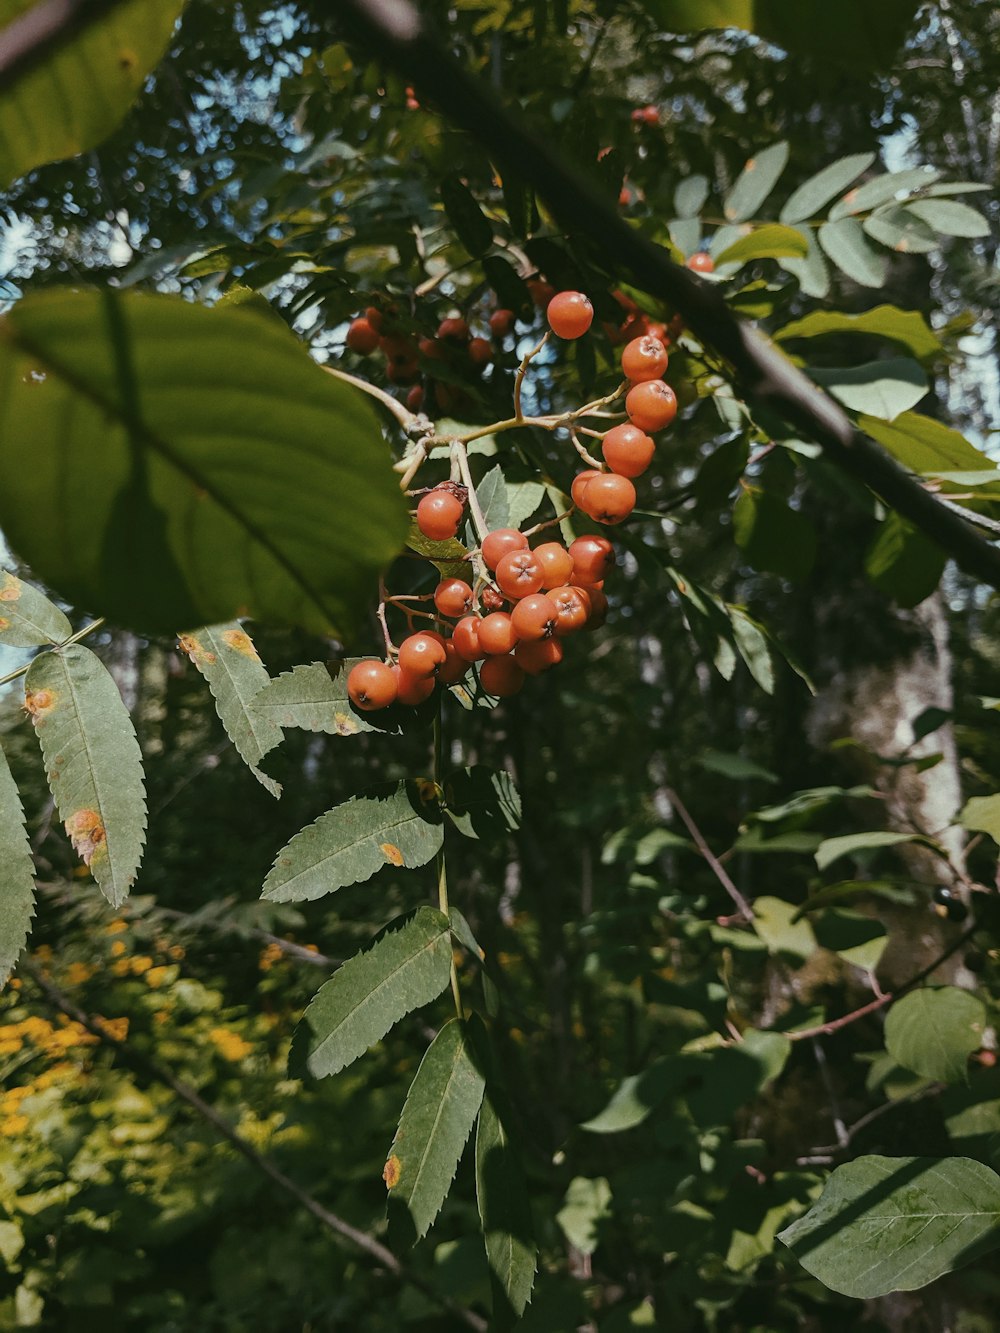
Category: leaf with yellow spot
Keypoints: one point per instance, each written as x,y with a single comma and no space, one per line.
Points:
17,874
396,825
92,761
391,1171
226,657
314,697
27,617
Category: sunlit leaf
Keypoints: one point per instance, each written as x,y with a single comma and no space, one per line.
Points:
17,874
934,1030
755,182
27,617
817,191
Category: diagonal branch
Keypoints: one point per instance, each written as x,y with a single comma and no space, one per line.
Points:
395,31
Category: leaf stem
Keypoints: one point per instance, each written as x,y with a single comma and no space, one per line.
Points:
68,643
442,863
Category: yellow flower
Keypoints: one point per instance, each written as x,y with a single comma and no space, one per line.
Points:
230,1045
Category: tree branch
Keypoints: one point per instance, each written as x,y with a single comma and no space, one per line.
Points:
395,31
718,869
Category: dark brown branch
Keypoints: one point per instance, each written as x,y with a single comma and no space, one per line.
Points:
394,30
150,1068
718,869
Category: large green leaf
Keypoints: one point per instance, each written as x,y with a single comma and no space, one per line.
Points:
900,230
398,827
774,538
896,1223
882,389
881,190
832,849
401,970
73,97
924,445
93,763
172,465
885,321
505,1213
771,241
813,272
226,657
440,1110
948,218
27,617
482,803
982,813
314,697
903,563
847,246
754,183
778,924
934,1030
17,874
818,190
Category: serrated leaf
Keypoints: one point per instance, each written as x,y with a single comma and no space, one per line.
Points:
471,225
216,471
811,273
482,803
51,109
397,827
523,498
903,563
832,849
440,1110
401,970
900,230
492,496
948,218
818,190
882,389
17,874
27,617
505,1214
887,1224
313,698
847,246
92,761
892,187
885,321
754,183
934,1030
690,196
226,657
772,241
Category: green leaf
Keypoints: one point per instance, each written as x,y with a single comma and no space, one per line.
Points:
440,1110
401,970
215,470
818,190
637,1096
934,1030
754,183
482,803
885,321
690,196
882,389
778,925
17,874
887,1224
768,242
903,563
76,94
27,617
982,813
226,657
859,940
924,445
880,190
734,766
832,849
398,827
847,246
812,273
492,496
751,641
312,698
587,1204
505,1214
92,761
523,499
951,219
901,231
774,538
471,225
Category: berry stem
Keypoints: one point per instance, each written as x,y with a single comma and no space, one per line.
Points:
587,458
550,522
460,456
522,370
411,466
390,647
442,864
402,414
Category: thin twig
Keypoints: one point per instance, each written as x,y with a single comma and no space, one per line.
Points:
718,868
522,370
153,1069
460,454
55,647
402,414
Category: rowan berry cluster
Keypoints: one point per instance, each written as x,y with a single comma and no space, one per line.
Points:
520,601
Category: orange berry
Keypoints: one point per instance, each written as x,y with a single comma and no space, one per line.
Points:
501,323
501,677
421,654
534,617
593,559
439,514
519,574
465,639
415,398
609,498
579,486
430,349
411,689
538,656
453,330
700,262
541,291
572,608
651,405
627,450
496,633
480,352
556,563
500,542
570,314
371,684
362,337
453,597
644,358
375,318
598,608
454,667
